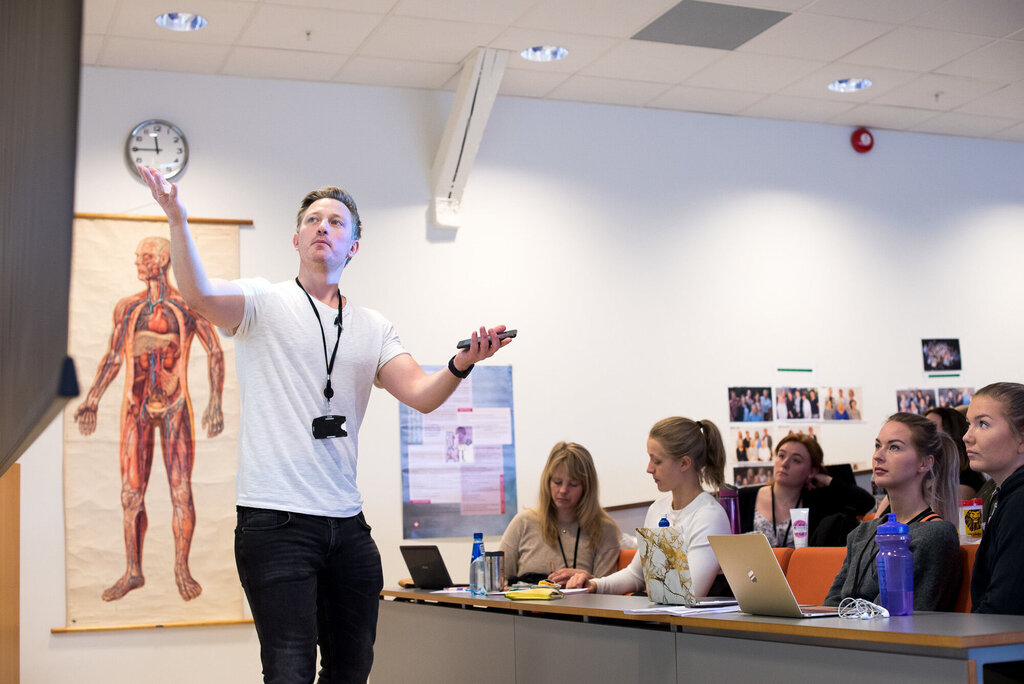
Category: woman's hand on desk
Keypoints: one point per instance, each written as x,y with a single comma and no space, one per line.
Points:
565,574
581,580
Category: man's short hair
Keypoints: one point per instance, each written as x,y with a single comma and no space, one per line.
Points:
331,192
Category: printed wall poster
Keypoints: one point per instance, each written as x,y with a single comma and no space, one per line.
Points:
748,444
750,404
941,355
841,403
459,461
916,400
150,446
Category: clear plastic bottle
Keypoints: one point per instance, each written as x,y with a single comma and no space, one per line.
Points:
478,566
895,567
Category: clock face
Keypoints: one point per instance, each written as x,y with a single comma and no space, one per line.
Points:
159,144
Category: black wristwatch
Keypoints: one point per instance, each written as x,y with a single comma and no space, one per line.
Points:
456,372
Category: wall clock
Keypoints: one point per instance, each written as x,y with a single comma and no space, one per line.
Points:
159,144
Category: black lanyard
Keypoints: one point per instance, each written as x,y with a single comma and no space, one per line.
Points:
775,528
574,551
328,392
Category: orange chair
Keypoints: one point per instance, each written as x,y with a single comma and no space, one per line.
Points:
963,601
626,557
782,555
812,570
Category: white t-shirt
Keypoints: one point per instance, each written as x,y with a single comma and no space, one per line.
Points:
699,518
279,358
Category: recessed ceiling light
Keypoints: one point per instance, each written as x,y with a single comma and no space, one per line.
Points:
544,53
181,21
849,85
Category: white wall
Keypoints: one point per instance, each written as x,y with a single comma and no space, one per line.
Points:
649,259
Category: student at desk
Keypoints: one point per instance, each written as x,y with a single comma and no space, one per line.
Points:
568,532
919,468
799,481
995,446
684,457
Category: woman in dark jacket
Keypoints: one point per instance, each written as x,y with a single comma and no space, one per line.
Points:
798,481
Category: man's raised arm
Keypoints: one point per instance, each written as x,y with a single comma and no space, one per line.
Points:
218,301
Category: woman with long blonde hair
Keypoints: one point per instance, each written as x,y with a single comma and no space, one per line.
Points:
919,468
568,532
684,457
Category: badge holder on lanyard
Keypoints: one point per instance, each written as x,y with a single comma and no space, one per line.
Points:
327,426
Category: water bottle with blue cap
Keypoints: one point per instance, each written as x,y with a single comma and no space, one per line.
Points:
895,567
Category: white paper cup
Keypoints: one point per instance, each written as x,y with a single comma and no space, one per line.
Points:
799,518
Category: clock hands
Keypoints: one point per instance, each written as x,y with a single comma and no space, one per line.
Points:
156,142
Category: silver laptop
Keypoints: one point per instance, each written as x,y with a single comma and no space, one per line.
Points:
756,578
667,572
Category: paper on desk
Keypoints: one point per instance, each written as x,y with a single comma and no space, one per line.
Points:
682,611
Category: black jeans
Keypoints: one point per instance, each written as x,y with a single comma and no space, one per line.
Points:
310,580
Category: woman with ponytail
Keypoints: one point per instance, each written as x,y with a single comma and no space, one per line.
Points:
919,467
995,446
684,457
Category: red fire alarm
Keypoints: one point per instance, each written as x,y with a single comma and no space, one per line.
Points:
862,140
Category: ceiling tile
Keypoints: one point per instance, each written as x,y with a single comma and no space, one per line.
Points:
813,36
1007,101
308,30
816,84
430,40
137,53
955,123
709,24
282,64
915,49
504,12
756,73
226,19
1014,133
1002,60
796,109
364,6
526,83
995,18
91,46
882,116
396,72
641,60
690,99
96,15
606,91
613,18
935,91
779,5
891,11
582,49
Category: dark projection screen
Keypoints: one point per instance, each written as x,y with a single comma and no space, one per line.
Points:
39,75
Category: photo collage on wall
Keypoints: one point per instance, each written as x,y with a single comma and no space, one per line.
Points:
920,399
777,413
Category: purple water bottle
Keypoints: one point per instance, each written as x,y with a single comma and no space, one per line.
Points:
730,500
895,567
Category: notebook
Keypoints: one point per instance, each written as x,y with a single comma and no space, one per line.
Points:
426,567
756,578
667,572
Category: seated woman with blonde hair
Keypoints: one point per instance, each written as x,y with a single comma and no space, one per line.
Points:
919,468
568,532
684,457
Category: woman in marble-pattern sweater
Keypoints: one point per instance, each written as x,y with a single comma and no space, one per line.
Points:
918,466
